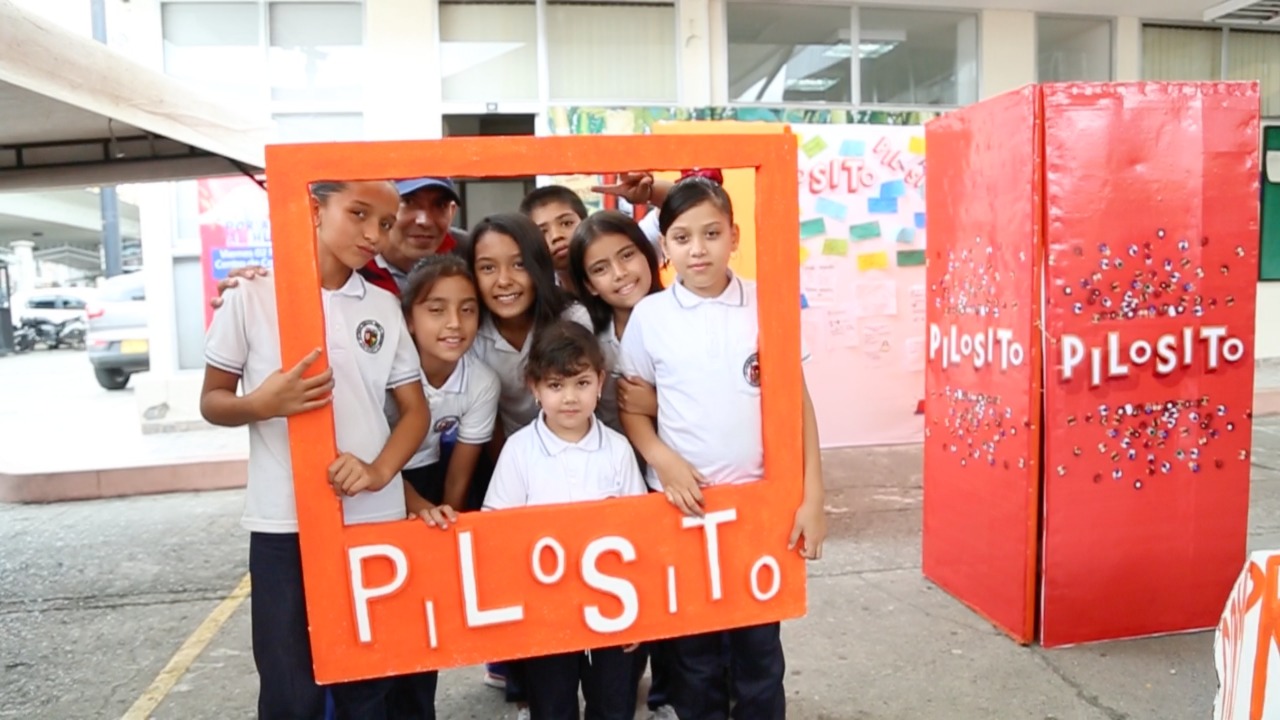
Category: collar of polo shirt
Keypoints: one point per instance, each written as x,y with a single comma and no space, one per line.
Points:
553,444
734,295
353,287
457,381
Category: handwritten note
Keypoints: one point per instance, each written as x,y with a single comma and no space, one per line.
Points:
911,258
830,208
916,145
913,354
874,341
842,328
836,247
853,148
875,299
813,146
882,206
864,231
919,304
818,283
812,228
873,261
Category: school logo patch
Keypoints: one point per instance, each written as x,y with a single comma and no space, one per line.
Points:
369,336
751,370
446,423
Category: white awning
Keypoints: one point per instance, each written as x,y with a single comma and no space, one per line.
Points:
74,113
1245,12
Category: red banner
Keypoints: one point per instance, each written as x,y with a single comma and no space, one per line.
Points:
981,456
1151,206
234,230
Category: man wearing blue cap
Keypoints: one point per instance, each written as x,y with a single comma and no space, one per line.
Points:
423,228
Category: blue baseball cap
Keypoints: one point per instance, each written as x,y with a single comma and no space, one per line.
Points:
408,187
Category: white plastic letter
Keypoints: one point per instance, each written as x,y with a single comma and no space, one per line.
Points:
1166,354
475,616
672,604
710,524
1140,352
556,549
617,587
1115,366
1072,354
360,594
765,562
1213,334
935,340
1233,349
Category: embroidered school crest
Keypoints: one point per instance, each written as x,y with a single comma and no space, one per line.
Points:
751,370
369,336
446,423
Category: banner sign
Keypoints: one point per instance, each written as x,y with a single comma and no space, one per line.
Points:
234,230
862,279
1151,200
1246,645
981,446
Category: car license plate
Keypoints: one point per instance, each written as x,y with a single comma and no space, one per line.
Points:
133,347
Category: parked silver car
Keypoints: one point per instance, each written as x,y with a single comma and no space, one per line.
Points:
118,339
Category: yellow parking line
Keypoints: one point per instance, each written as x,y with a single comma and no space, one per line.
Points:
187,654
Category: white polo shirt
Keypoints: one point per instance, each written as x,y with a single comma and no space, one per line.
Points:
701,354
463,409
370,351
516,405
607,408
537,467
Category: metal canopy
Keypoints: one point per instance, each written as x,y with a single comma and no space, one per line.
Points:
75,113
1245,12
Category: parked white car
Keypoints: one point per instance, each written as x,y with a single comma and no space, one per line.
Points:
52,304
118,339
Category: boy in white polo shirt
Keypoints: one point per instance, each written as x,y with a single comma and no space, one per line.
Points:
697,343
370,353
567,455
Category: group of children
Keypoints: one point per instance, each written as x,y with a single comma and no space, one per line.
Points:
556,324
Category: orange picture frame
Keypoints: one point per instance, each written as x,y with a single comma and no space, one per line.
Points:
395,598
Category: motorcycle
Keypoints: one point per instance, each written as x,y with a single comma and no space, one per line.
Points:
52,335
71,333
24,338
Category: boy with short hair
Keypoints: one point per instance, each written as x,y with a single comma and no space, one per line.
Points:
557,211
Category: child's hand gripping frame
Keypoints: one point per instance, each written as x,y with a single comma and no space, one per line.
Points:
395,598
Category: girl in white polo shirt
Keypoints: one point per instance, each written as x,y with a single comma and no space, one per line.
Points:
518,297
697,343
567,455
370,353
442,307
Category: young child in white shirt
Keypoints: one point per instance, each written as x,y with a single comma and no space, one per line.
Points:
567,455
370,353
697,343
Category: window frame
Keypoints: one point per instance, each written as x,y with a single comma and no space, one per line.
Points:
1113,34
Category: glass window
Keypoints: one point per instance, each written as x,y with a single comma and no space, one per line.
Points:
216,44
789,53
1171,53
1256,56
318,127
637,41
488,51
43,303
915,57
316,51
1073,49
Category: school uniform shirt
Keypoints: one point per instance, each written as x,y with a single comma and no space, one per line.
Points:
538,467
463,409
370,351
607,408
516,405
701,354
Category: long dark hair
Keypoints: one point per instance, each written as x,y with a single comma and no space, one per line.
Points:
607,222
690,193
430,270
549,301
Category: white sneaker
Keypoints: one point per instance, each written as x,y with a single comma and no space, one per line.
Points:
523,714
664,712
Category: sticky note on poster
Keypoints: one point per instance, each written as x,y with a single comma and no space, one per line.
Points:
906,236
853,148
882,206
893,189
804,254
830,208
835,247
873,261
875,299
911,258
812,228
916,145
813,146
919,218
864,231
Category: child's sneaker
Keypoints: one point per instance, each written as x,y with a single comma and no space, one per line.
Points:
664,712
494,680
